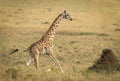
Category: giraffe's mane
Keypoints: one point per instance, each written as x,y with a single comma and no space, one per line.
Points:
51,30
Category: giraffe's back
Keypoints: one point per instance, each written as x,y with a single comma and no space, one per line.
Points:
41,46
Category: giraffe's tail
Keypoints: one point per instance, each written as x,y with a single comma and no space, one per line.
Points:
14,51
26,50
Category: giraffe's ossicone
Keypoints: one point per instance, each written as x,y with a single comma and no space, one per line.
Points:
45,44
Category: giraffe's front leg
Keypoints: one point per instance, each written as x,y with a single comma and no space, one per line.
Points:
55,60
48,53
52,59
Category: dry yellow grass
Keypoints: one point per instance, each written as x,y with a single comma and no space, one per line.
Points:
78,44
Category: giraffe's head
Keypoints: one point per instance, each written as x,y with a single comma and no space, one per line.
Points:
65,15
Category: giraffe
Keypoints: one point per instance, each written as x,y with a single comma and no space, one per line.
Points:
45,44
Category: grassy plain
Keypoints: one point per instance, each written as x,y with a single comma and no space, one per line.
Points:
78,43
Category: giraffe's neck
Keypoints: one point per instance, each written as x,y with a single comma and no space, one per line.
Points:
51,31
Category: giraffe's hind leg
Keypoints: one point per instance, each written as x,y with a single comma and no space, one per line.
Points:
35,54
36,57
29,60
